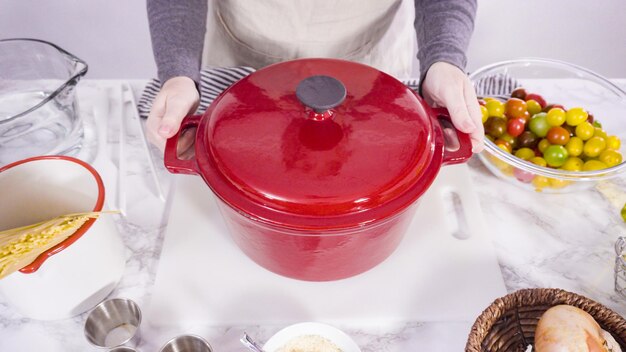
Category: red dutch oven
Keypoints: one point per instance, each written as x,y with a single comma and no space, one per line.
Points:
318,163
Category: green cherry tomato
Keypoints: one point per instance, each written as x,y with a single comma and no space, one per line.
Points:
555,117
594,146
538,124
558,135
555,155
495,108
533,107
574,146
576,116
585,130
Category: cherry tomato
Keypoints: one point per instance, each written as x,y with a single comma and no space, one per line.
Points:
519,93
558,135
523,176
558,183
514,108
555,117
527,140
516,126
593,165
538,124
525,153
594,146
590,118
504,145
512,141
495,126
484,112
585,130
599,132
541,182
482,102
613,142
536,97
610,157
573,164
550,106
543,144
539,161
555,155
495,108
576,116
574,146
533,107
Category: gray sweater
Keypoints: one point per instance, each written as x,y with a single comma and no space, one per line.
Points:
177,29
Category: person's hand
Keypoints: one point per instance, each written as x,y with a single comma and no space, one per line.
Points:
447,86
178,98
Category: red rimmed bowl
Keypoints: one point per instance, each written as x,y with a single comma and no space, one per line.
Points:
77,273
317,164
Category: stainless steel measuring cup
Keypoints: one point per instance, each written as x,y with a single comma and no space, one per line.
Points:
114,322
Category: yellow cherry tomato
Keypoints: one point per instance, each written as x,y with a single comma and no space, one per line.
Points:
495,108
585,130
540,182
576,116
594,146
525,153
539,161
573,164
533,107
543,145
613,142
599,132
555,117
610,157
593,165
484,112
574,146
558,183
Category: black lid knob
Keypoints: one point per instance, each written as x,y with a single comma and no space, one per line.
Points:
321,93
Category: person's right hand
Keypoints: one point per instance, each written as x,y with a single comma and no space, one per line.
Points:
178,98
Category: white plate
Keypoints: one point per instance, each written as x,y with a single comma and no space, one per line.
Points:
334,335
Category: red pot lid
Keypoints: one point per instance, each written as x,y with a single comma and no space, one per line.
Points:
271,157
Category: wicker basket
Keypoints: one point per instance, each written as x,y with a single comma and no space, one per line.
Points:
508,324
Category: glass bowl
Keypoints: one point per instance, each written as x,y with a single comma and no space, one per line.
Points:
558,83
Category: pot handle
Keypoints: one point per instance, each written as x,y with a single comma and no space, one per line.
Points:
457,145
172,163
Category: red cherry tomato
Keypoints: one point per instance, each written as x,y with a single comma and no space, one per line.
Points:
515,127
519,93
538,98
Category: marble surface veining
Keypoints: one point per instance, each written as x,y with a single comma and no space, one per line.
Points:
542,240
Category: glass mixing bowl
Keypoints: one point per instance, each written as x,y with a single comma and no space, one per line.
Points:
558,83
38,112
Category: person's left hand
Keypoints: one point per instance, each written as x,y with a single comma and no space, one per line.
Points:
447,86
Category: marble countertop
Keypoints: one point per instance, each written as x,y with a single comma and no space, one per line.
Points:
542,240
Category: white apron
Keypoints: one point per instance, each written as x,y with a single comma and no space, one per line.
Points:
258,33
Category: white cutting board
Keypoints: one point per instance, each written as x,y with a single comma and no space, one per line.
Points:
203,277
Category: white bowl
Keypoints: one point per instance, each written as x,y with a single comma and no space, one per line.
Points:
334,335
78,273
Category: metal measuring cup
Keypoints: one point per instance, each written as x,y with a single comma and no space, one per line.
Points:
620,266
113,323
187,343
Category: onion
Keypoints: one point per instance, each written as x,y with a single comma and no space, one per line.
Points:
565,328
